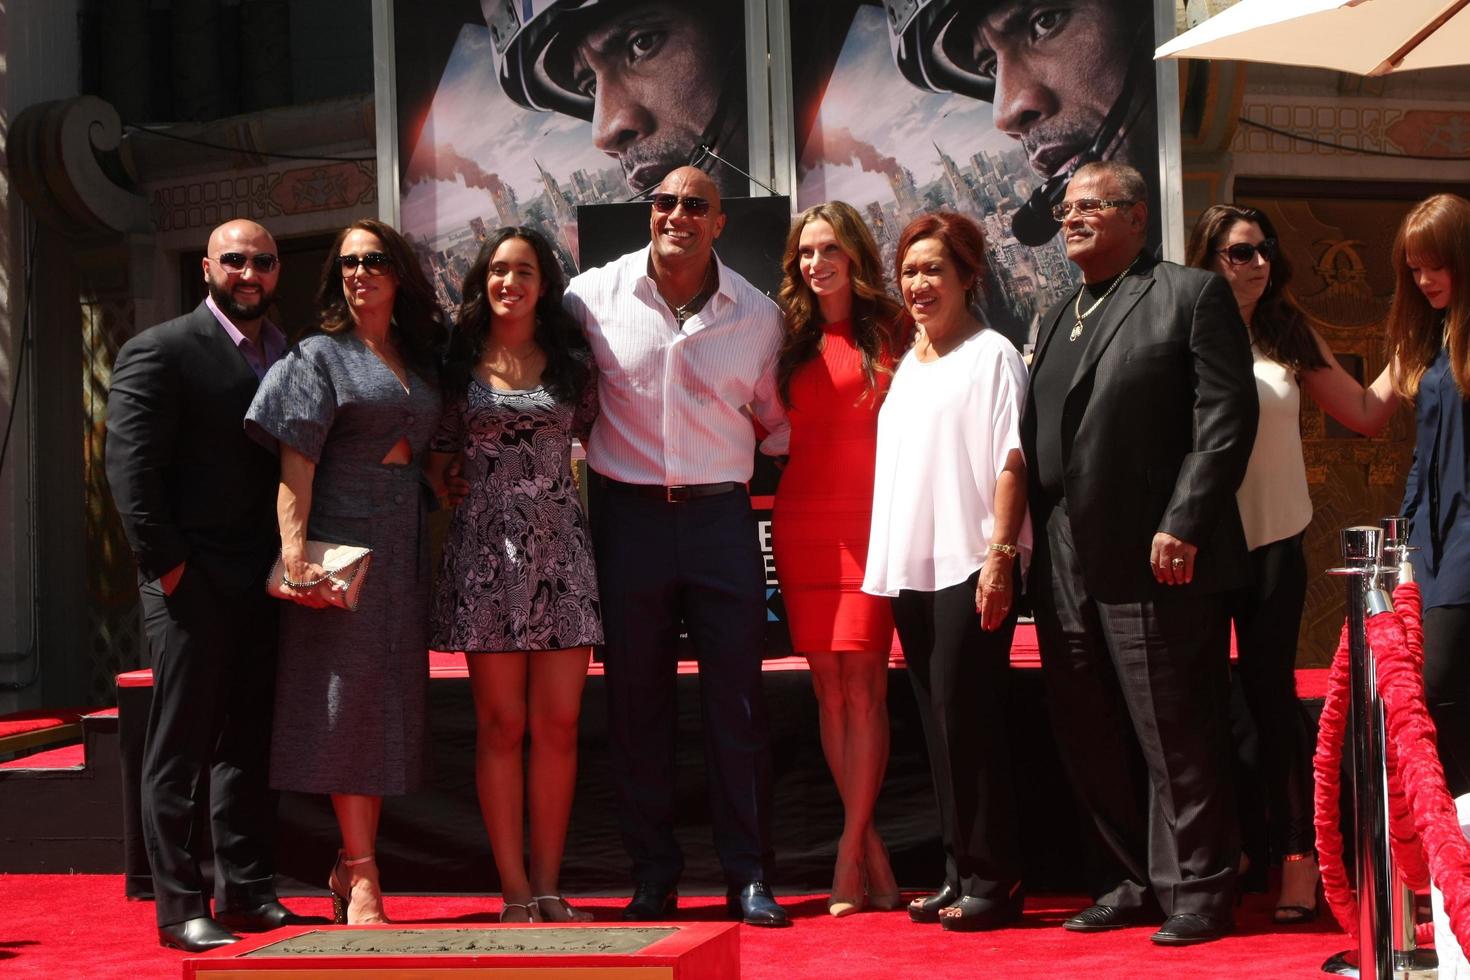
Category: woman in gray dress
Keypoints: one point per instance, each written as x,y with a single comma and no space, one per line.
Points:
517,589
352,408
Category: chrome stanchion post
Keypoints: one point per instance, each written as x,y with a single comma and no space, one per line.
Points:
1374,955
1409,961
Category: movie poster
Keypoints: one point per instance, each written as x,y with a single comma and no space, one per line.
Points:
515,112
984,107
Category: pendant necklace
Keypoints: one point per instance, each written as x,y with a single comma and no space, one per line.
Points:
697,301
1077,307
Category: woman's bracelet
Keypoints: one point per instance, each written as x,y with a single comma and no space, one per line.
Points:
1009,550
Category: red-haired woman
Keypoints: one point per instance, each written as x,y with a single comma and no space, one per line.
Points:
949,540
1429,342
843,336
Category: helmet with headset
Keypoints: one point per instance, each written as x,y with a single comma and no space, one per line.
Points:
522,35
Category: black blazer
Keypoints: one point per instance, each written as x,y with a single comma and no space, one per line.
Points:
188,483
1157,429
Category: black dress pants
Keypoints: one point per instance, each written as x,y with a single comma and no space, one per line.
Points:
1268,618
959,673
1447,689
695,564
209,731
1142,677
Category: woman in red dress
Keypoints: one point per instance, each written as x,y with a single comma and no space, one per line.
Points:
843,338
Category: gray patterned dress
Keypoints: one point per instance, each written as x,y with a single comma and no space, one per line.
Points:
351,687
517,573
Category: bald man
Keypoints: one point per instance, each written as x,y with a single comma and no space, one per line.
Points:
686,350
197,502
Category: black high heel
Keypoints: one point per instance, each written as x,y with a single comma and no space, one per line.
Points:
926,909
980,914
1300,915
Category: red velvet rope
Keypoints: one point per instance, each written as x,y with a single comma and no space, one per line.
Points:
1327,768
1416,783
1398,648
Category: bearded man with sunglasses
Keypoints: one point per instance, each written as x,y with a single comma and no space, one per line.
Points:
1137,429
197,502
686,352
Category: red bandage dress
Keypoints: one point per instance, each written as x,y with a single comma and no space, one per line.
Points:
819,525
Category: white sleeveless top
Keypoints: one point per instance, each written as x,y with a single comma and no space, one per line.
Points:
1273,498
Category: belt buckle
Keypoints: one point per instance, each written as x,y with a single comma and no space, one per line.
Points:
677,495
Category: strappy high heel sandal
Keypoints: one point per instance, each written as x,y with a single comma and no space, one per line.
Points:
1298,915
563,910
342,895
531,909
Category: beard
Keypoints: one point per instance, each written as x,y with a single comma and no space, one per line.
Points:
236,310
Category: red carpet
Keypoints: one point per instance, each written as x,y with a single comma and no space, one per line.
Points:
58,926
66,757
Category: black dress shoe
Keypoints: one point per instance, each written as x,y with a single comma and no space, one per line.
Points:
651,902
1100,918
267,916
926,909
197,935
756,906
1187,928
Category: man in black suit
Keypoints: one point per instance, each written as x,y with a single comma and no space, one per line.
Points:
1138,425
197,501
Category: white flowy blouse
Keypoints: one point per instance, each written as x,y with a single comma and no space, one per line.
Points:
944,433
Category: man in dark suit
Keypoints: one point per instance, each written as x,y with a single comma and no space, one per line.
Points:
197,501
1138,425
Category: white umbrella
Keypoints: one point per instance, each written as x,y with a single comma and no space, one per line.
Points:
1368,37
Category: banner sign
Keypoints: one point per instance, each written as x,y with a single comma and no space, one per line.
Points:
984,107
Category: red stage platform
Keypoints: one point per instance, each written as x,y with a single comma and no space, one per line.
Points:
434,841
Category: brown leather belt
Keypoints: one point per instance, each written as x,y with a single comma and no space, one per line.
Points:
675,495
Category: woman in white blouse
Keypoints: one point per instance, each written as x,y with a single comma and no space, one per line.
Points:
1240,244
949,541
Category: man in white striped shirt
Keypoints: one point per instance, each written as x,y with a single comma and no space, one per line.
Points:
686,351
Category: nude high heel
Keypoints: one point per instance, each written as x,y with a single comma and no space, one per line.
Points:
342,895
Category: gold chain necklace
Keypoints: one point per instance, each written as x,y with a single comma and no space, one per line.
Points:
1077,307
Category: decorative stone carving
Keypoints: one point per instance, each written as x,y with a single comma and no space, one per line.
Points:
63,159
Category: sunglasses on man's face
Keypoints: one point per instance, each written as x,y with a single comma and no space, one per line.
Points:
376,263
696,207
236,261
1243,252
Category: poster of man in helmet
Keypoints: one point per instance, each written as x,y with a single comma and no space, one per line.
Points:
517,111
985,107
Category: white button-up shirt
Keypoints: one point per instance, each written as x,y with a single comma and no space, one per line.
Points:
674,401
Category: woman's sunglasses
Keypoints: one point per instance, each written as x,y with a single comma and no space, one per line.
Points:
1243,252
376,263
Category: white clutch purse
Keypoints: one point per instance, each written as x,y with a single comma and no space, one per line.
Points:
345,567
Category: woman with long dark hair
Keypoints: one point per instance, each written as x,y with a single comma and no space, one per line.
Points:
950,540
517,589
843,335
1240,244
351,408
1429,342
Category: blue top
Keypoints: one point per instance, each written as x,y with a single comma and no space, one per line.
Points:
1435,493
